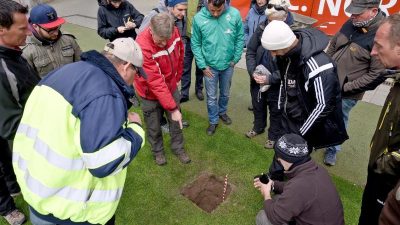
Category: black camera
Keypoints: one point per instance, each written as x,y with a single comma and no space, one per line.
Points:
264,178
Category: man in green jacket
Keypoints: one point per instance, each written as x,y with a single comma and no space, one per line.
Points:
217,43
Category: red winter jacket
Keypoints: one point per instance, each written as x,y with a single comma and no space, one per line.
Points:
162,68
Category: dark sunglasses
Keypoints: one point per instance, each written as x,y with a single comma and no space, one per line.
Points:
50,30
276,7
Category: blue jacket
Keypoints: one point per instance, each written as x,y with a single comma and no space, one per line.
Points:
99,97
251,22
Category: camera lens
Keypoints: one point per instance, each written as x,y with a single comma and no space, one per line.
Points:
264,178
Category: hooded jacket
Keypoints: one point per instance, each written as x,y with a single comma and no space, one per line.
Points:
310,91
217,42
110,18
17,80
351,48
45,56
253,18
162,69
94,145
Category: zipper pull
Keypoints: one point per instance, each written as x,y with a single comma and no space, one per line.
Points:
391,128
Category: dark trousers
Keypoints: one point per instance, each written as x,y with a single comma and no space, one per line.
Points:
187,73
267,100
288,126
375,192
8,182
152,111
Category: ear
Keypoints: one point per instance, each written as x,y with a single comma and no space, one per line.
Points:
2,30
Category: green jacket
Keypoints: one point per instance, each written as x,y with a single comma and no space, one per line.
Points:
44,58
216,42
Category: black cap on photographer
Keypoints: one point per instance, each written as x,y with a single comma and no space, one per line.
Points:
292,148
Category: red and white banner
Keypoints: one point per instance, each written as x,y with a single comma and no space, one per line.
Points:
330,13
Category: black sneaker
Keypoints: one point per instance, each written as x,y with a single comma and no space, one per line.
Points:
199,95
225,118
184,99
211,129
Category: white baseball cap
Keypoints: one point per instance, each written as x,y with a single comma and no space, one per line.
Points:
126,49
277,35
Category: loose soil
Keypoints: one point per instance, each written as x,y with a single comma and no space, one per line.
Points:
206,191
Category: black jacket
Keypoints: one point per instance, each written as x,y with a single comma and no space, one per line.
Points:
109,18
17,80
310,91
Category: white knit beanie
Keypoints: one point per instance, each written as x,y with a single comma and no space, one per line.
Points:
277,35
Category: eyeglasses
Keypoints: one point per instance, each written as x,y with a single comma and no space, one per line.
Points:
276,7
52,30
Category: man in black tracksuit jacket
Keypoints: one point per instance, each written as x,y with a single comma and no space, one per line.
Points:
310,92
111,20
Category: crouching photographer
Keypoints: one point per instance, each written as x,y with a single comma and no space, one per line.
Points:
308,195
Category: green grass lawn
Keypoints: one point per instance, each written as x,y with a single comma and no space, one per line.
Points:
152,193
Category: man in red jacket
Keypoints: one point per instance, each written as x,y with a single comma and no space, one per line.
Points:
157,83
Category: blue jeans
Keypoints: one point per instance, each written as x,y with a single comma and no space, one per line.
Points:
347,105
223,80
35,220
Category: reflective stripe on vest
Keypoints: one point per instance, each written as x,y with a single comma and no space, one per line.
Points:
116,149
68,193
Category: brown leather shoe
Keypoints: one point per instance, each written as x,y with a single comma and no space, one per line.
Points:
269,144
15,217
160,159
184,158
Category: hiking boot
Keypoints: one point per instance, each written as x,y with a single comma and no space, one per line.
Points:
184,158
252,133
211,129
330,158
165,128
225,118
199,95
160,159
15,217
269,144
